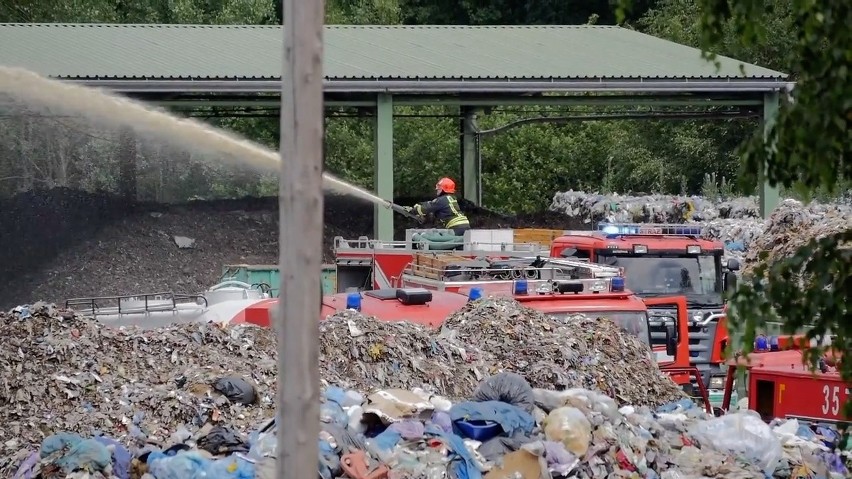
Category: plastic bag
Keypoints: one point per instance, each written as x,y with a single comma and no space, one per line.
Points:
192,465
236,389
264,446
742,433
332,413
506,387
232,467
576,397
569,426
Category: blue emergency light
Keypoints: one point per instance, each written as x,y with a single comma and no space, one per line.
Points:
474,294
616,229
353,301
521,286
761,344
617,284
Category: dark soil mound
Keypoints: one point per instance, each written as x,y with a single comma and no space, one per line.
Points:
61,243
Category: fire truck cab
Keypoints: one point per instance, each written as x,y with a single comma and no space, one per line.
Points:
779,384
664,260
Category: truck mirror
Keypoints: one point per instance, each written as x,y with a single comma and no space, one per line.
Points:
733,264
671,340
730,282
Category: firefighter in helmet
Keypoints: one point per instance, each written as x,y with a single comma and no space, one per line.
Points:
445,207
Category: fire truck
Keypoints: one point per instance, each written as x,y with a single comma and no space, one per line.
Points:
489,261
664,260
778,383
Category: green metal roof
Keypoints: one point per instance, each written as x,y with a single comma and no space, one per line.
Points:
208,52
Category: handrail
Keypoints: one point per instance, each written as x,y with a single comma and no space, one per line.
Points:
367,244
518,272
170,299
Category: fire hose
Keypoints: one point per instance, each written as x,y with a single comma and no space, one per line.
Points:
403,211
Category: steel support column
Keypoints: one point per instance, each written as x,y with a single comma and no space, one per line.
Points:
383,166
470,170
769,196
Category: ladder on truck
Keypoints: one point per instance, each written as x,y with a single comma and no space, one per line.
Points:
589,269
438,266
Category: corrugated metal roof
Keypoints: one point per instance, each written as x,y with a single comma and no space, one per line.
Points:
358,52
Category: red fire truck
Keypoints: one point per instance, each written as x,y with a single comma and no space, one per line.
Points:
425,294
664,260
780,385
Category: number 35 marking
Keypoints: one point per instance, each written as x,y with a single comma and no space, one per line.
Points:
831,400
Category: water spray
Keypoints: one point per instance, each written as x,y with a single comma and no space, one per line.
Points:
109,110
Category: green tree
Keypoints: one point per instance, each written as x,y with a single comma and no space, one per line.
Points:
807,147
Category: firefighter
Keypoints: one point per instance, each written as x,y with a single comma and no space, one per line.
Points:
445,207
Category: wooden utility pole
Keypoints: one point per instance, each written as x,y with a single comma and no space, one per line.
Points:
300,240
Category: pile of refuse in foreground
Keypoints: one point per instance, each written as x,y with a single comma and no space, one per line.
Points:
65,372
191,401
507,430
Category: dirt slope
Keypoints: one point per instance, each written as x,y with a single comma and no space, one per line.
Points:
60,243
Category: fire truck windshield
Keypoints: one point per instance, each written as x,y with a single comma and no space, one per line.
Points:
634,322
696,277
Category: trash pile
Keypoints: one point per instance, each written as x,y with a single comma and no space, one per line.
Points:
571,352
507,430
617,208
793,225
363,353
487,336
68,373
64,372
82,400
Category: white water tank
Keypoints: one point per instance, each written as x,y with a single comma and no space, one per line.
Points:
231,293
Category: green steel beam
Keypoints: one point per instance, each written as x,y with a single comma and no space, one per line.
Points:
471,180
383,165
769,196
427,100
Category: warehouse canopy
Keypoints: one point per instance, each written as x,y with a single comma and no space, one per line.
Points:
376,68
373,59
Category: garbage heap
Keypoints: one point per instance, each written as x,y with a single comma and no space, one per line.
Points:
617,208
191,401
793,224
506,430
488,336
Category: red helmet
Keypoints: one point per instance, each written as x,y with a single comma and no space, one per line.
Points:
446,185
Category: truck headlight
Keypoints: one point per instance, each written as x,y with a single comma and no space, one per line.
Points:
717,382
